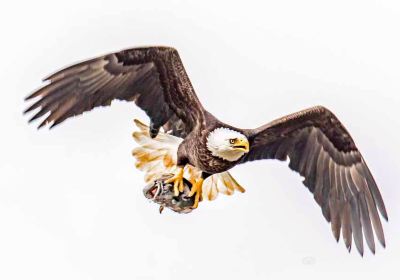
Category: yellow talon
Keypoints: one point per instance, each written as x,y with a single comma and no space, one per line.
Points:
177,179
197,189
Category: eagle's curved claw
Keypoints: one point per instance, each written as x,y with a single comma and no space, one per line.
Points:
197,189
177,179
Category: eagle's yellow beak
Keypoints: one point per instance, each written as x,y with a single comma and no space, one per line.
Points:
242,145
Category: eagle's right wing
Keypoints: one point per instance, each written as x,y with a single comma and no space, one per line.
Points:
153,77
320,149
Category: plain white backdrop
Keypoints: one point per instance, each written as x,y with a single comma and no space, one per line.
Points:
71,203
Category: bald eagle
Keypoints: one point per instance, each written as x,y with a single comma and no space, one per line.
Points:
186,138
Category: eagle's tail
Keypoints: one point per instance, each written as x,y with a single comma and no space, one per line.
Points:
157,156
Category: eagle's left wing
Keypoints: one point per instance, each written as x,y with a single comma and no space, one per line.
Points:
321,150
152,77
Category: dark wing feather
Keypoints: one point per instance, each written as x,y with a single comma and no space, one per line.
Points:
154,78
323,152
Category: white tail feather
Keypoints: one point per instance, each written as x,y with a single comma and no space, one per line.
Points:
157,156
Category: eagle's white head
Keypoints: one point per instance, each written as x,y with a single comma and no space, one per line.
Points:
227,144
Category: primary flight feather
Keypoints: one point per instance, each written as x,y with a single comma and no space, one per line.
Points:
185,138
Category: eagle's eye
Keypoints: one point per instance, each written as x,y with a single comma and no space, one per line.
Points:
232,141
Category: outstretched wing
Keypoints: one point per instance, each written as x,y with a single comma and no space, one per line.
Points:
153,77
321,150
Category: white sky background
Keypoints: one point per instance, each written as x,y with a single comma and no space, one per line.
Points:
71,203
